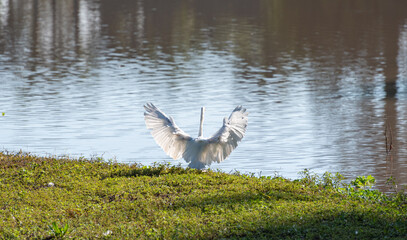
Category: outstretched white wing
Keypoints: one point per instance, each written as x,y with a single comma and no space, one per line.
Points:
165,132
221,144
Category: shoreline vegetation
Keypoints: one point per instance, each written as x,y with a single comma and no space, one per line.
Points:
62,198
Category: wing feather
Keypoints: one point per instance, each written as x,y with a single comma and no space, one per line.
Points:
226,139
165,132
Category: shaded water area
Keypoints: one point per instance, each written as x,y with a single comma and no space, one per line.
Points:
321,80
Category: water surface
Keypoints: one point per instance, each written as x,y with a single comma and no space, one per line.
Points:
321,80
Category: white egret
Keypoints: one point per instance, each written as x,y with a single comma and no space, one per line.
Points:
199,151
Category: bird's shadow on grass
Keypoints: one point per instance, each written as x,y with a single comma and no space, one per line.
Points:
157,169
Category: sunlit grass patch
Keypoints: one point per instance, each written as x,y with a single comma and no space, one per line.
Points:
60,197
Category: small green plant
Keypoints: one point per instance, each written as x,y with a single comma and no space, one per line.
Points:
308,178
327,180
361,188
59,232
3,113
363,182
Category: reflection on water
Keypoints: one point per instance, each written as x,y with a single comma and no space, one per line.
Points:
321,79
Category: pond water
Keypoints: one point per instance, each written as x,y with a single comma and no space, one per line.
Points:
322,80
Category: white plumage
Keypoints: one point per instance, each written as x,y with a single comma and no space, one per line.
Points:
199,151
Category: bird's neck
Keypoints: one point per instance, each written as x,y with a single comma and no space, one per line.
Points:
200,134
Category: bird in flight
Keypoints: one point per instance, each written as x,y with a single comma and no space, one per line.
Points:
200,151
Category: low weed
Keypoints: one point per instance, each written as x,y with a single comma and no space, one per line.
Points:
58,232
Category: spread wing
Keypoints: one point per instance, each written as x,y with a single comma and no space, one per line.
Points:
218,147
165,132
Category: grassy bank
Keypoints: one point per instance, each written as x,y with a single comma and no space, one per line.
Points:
47,197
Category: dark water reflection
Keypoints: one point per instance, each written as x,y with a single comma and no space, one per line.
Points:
321,79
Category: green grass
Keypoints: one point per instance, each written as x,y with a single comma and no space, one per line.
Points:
46,198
